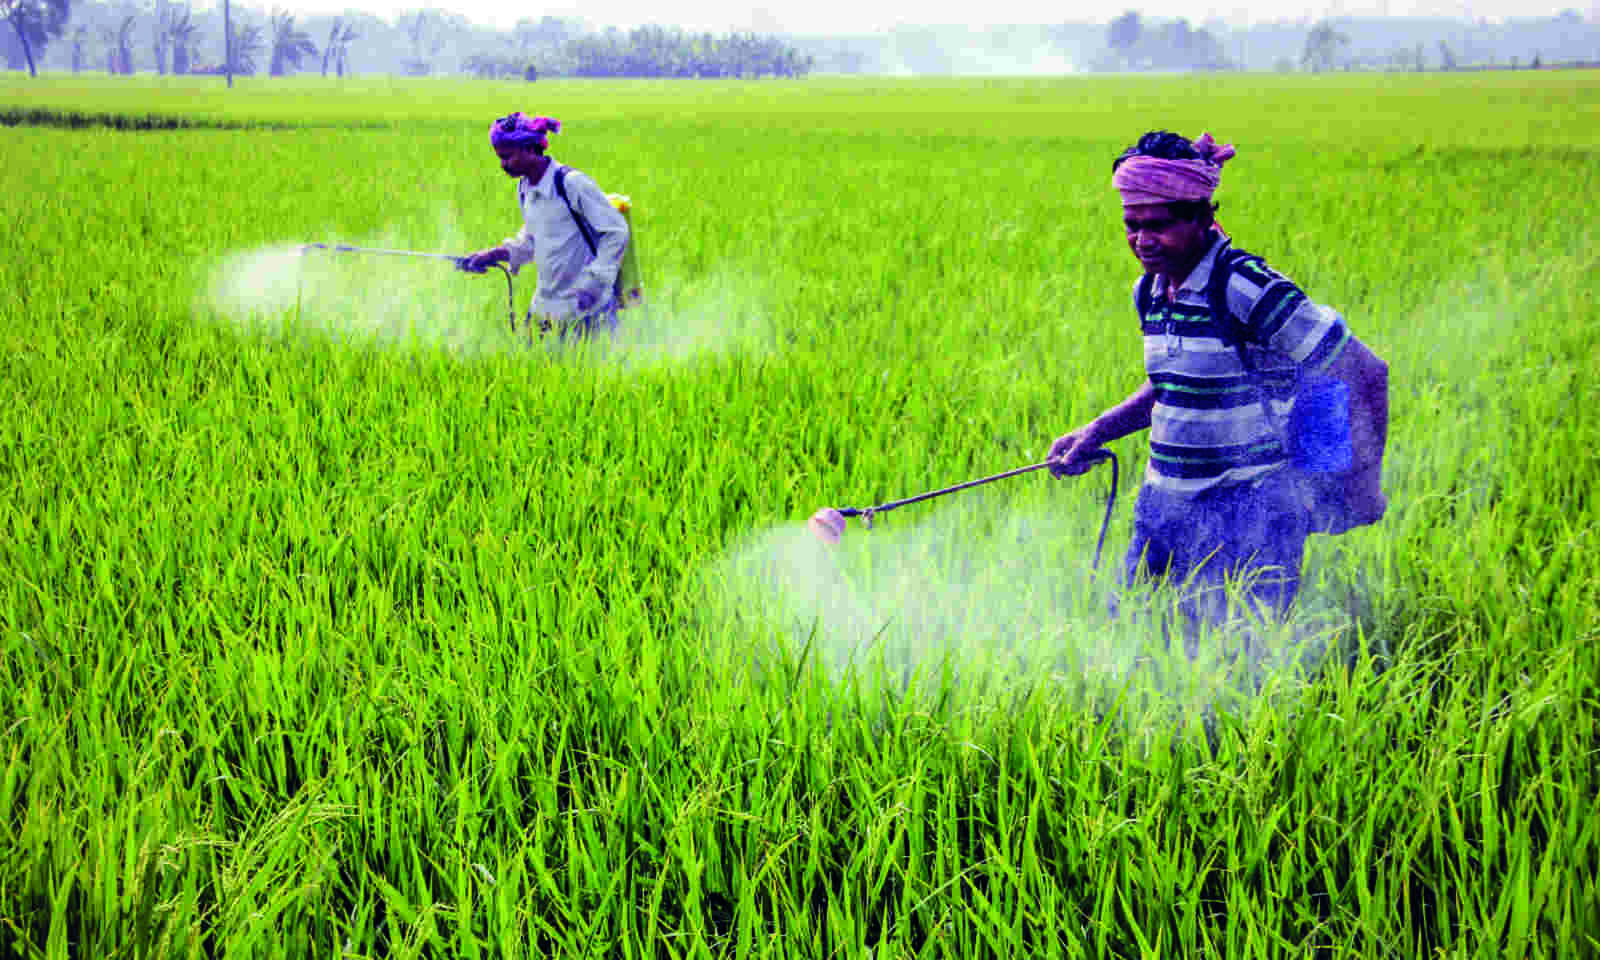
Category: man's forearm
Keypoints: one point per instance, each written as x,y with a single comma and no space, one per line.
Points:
519,249
1129,416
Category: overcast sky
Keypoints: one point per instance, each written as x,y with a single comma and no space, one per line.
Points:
852,16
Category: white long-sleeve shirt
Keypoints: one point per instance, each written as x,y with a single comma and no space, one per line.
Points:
550,237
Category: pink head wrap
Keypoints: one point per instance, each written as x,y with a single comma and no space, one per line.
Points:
1143,179
519,130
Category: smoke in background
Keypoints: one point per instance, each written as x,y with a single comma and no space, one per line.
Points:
988,601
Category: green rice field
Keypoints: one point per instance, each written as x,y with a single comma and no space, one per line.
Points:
338,620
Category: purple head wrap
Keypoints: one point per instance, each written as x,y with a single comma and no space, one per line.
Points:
520,130
1154,180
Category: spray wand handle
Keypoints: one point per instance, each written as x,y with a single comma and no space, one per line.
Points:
868,512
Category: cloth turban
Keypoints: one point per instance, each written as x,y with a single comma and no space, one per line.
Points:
519,130
1142,179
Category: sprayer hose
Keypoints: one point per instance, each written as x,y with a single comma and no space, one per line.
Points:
511,298
1111,500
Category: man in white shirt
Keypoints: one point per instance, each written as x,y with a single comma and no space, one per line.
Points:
568,227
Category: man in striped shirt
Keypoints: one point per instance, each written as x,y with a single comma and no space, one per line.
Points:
1220,502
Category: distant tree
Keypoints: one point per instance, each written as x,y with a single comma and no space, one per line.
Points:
491,65
161,44
1421,64
248,43
332,41
1447,58
547,43
80,57
1323,45
338,45
342,61
1173,45
654,51
289,45
119,47
545,35
1180,35
427,40
1123,34
35,22
172,29
1405,59
185,37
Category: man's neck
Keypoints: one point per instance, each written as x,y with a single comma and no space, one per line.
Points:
540,165
1181,276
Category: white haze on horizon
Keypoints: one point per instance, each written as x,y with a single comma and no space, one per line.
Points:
838,18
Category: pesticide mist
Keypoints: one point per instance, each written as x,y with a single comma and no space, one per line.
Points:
991,600
289,290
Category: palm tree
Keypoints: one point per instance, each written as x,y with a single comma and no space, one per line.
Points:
119,47
1322,47
344,47
246,43
184,39
35,22
173,30
338,42
426,42
289,45
160,34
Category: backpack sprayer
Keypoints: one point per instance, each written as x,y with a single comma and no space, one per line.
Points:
829,522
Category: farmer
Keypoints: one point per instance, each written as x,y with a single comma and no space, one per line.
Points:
578,239
1220,501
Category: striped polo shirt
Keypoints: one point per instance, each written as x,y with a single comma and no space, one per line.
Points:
1208,427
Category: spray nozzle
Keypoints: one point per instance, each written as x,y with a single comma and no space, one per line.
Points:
828,524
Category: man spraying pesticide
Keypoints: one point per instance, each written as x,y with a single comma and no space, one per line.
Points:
578,235
1267,418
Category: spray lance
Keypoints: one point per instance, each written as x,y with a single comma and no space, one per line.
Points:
829,522
460,263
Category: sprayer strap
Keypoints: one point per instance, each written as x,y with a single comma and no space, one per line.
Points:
560,179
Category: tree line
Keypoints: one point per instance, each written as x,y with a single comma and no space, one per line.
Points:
1133,43
168,36
171,36
648,51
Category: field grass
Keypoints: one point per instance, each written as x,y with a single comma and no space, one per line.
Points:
337,621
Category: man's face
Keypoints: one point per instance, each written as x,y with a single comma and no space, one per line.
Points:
520,161
1163,243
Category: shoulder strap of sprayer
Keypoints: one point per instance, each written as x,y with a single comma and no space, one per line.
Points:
577,218
1281,383
1233,330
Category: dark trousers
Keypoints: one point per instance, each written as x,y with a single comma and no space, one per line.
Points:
1248,538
